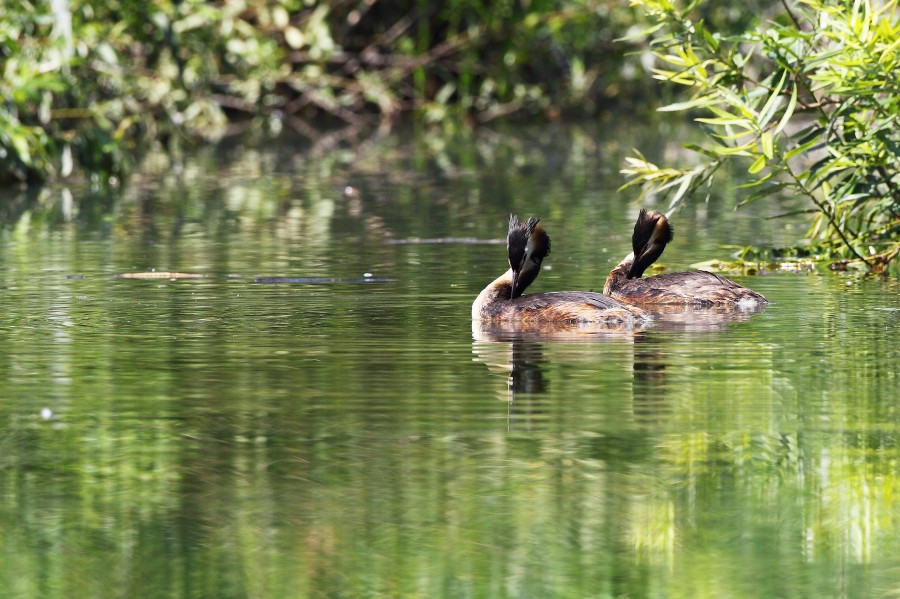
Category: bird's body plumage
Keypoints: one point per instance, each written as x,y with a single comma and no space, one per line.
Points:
502,300
690,288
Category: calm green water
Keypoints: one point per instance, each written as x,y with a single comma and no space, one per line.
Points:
220,437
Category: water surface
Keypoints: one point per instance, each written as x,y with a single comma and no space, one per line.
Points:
221,437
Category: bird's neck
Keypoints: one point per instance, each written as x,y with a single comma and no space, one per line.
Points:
618,275
497,291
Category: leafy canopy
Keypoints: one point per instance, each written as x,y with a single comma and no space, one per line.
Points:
809,102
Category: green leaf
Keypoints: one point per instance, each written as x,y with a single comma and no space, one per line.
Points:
683,188
20,145
758,182
737,102
700,102
768,146
758,165
736,121
772,103
711,39
788,112
802,148
701,150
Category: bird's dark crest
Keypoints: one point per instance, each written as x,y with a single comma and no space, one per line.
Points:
522,231
652,232
643,230
543,243
526,246
517,238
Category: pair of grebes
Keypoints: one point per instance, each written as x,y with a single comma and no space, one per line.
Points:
625,291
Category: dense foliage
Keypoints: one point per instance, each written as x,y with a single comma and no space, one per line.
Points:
809,102
86,81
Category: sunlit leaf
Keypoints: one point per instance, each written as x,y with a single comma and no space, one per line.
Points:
758,165
294,37
788,112
802,149
735,121
767,143
682,189
21,146
765,114
680,106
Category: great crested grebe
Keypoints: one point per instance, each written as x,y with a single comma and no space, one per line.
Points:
691,288
502,301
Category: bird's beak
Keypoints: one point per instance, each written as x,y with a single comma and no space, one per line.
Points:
645,251
515,283
636,264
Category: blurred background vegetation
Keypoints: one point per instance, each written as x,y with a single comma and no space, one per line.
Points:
88,86
87,83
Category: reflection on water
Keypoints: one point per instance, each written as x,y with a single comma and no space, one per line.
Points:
483,330
726,448
700,319
328,437
518,349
